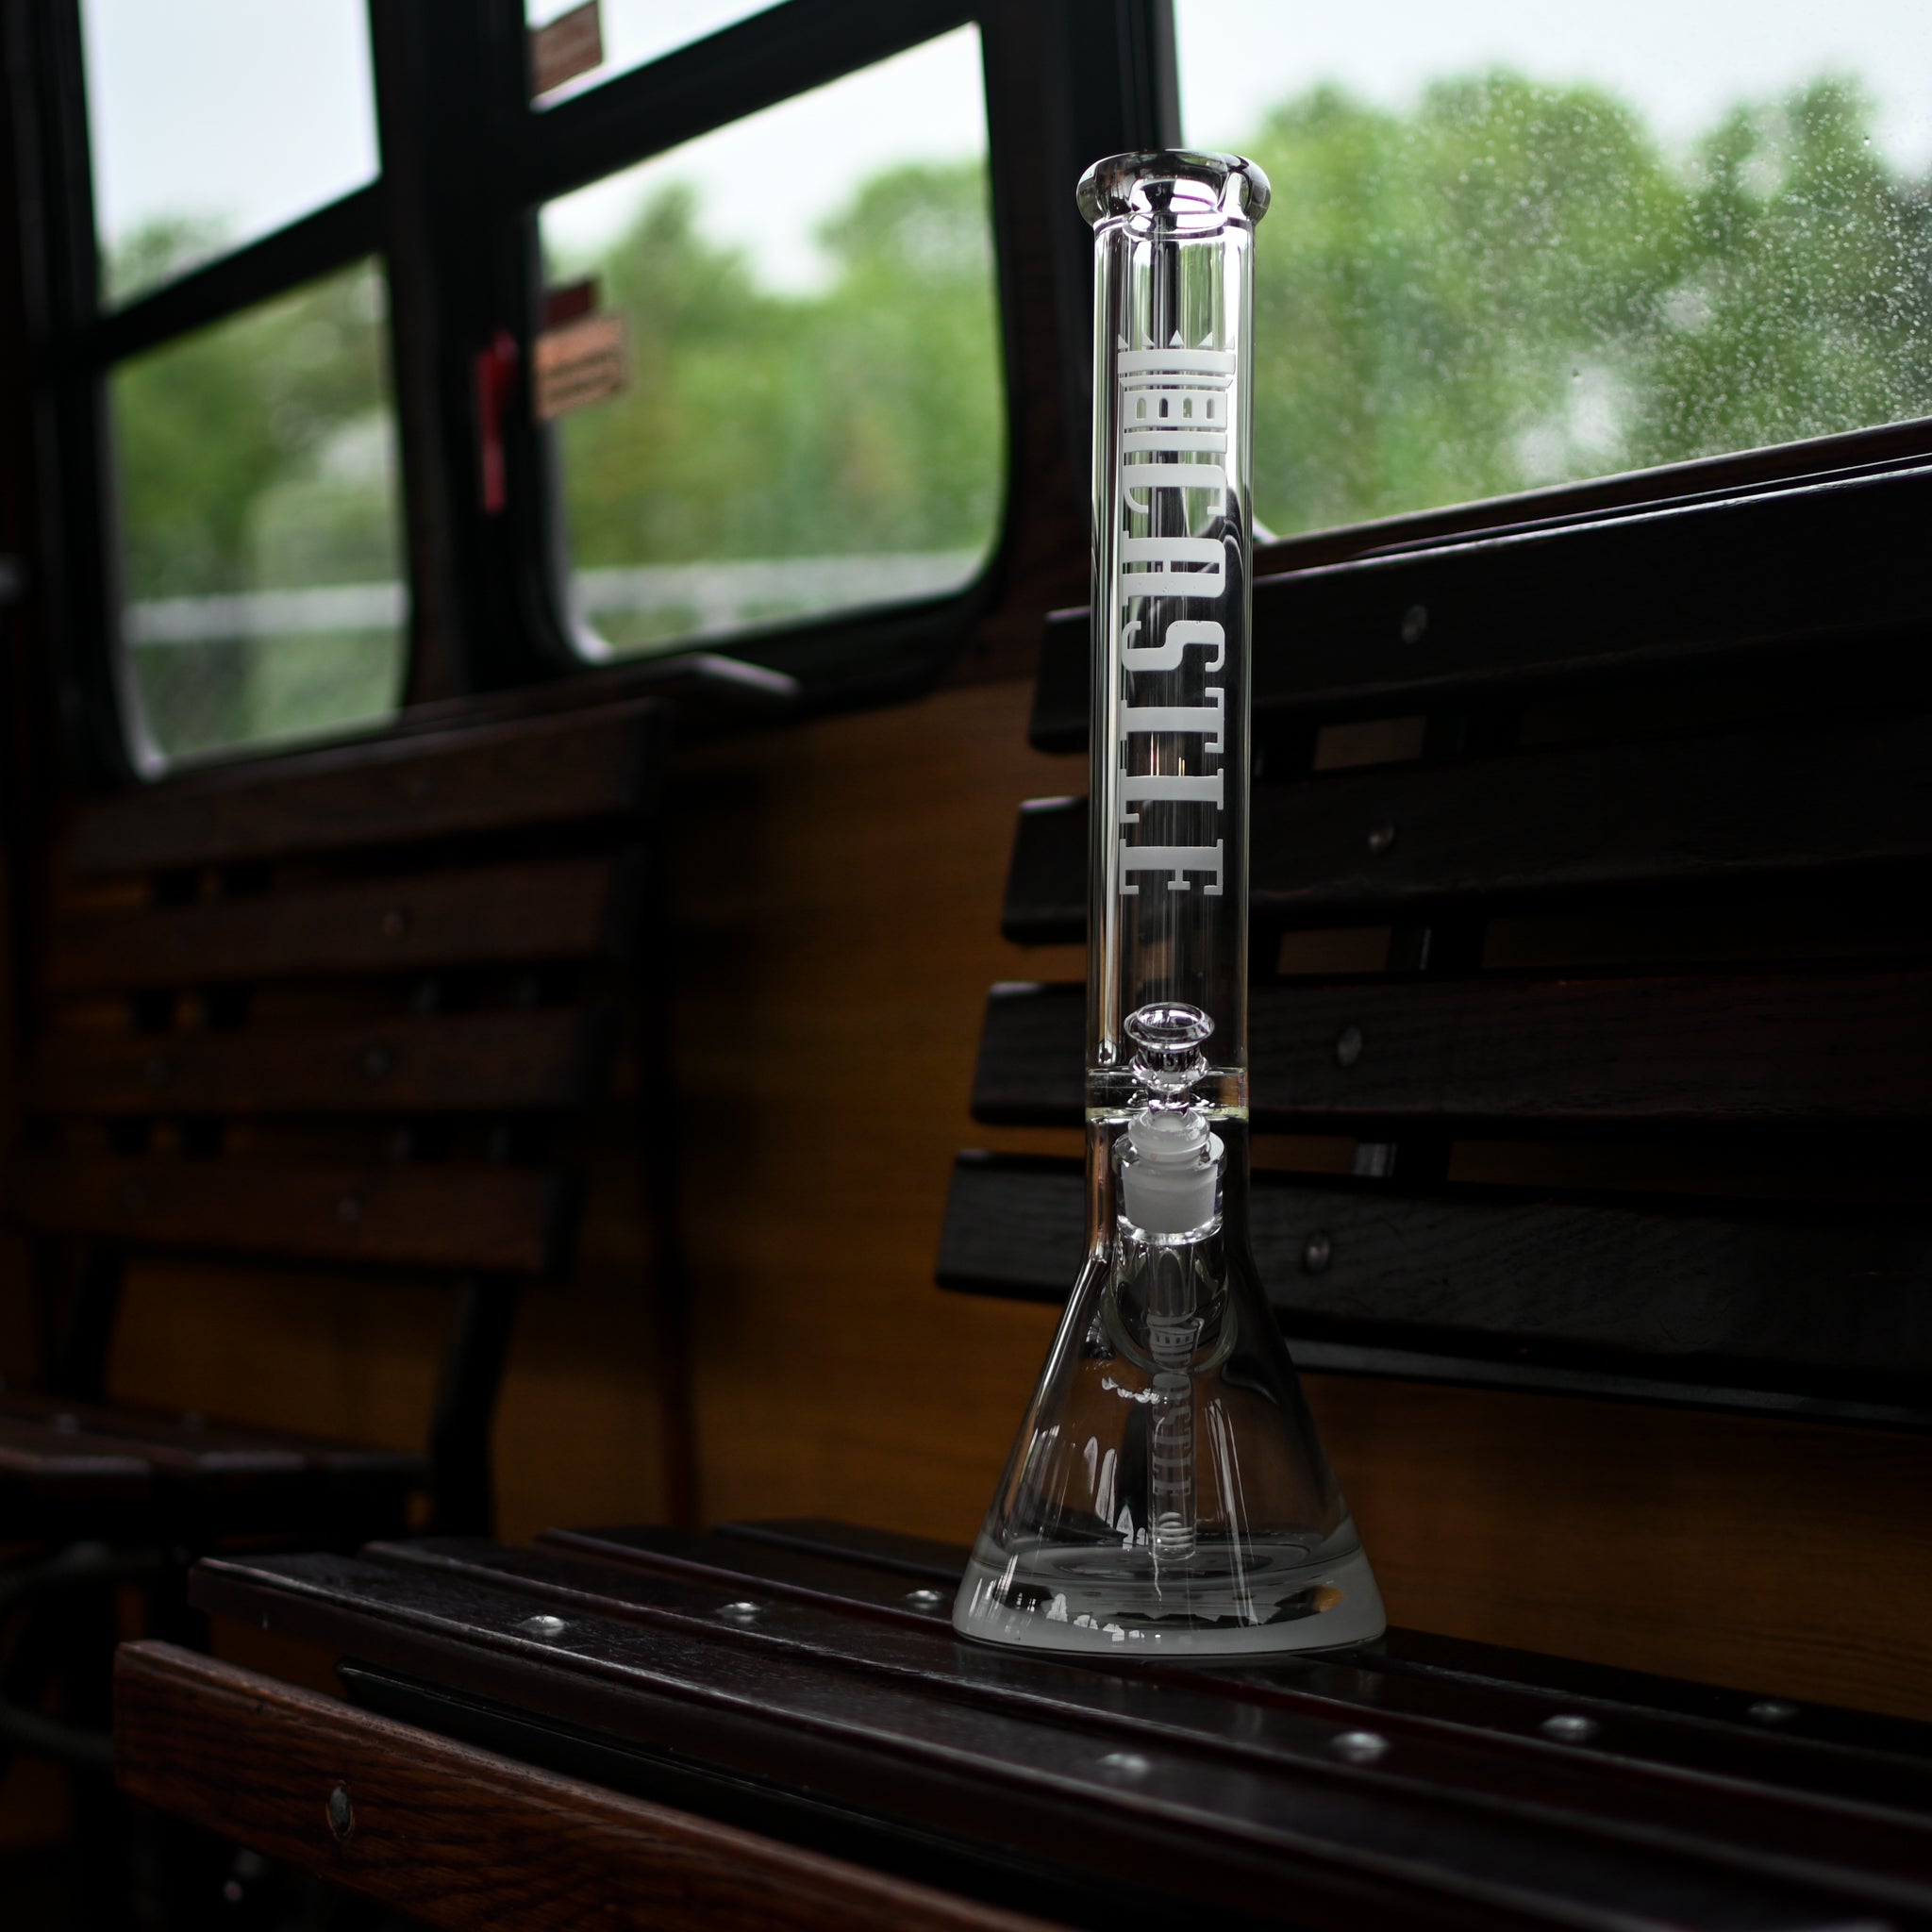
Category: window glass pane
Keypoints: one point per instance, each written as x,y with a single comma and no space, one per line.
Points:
1514,243
640,30
258,523
814,418
214,121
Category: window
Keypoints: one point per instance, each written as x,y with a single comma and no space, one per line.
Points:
256,467
244,387
813,420
214,121
831,247
314,255
1516,246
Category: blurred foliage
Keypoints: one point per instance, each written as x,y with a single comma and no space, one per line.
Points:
258,455
859,419
1517,285
1512,284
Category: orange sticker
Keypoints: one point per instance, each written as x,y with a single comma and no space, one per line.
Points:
583,361
561,49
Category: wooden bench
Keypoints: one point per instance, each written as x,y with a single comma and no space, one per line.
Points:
1591,1055
339,1011
1590,962
772,1723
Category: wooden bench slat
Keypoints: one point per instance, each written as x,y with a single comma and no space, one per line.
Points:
462,1836
1813,566
542,772
433,1215
412,1064
716,1556
556,910
1783,805
948,1733
1717,1049
1865,1756
192,1449
1407,1677
1793,1309
1265,1718
77,1466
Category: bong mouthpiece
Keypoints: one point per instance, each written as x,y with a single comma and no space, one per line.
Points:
1169,1037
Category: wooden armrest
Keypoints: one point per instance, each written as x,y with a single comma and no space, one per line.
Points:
462,1836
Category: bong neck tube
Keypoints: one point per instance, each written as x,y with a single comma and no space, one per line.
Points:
1172,544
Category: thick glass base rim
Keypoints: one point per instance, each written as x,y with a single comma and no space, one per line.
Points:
1123,1627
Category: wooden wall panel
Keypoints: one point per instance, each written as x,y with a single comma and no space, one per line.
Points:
1769,1556
840,888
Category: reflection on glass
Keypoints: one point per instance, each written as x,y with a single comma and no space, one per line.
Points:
214,121
1517,246
814,417
640,30
258,478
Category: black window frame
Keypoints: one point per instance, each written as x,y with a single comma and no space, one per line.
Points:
75,342
467,160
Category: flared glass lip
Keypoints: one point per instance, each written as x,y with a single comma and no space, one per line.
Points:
1175,188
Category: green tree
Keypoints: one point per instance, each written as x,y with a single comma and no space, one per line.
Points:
1516,285
258,455
861,419
1802,301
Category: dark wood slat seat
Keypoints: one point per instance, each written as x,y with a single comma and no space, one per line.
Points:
51,1461
810,1690
1772,808
192,1448
1815,1313
1749,579
85,1448
1763,1049
1405,1671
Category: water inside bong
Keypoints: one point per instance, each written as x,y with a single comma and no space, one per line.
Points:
1168,1491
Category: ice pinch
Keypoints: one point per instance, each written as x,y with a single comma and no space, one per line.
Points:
1167,1491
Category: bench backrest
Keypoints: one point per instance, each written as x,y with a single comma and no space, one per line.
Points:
341,1009
1591,1020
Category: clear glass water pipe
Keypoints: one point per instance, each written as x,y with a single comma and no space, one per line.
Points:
1167,1491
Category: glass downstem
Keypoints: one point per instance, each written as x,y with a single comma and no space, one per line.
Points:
1173,1328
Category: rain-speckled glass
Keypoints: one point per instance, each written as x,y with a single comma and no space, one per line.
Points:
1520,244
256,467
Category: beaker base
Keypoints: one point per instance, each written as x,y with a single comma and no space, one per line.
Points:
1273,1595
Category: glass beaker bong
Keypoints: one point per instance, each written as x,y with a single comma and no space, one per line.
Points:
1167,1493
